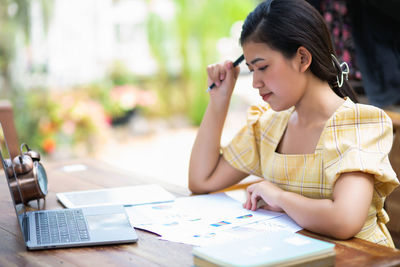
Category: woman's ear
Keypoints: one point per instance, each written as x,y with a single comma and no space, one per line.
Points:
305,58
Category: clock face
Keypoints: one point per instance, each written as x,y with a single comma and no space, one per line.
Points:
42,178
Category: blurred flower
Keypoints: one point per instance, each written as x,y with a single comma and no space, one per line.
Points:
127,97
124,96
146,98
328,17
49,145
46,127
81,117
346,34
69,127
336,31
358,75
346,56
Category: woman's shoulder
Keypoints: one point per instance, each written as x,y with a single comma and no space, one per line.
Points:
358,127
357,114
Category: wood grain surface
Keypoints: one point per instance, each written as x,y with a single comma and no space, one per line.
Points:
149,250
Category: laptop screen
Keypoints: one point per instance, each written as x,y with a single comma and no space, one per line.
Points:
12,183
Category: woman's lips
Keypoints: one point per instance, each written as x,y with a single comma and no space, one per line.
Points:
266,96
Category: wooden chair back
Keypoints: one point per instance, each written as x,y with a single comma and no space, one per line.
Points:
10,132
392,204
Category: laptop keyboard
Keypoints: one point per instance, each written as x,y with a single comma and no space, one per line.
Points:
61,226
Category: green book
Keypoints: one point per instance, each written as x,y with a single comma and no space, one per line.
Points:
267,249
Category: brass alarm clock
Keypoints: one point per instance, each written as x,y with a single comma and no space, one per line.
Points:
28,178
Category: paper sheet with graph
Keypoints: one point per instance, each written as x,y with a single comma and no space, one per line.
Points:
206,219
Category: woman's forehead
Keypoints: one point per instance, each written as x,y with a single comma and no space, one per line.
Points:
257,52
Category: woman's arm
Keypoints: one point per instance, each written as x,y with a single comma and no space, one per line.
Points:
342,217
208,171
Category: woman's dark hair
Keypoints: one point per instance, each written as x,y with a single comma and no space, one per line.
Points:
285,25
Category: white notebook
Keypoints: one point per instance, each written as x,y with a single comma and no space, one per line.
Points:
129,195
280,248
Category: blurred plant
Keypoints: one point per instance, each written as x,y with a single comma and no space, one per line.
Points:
194,32
47,120
120,75
120,93
37,118
77,117
128,97
84,121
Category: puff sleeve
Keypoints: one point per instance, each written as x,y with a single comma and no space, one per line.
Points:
359,139
243,151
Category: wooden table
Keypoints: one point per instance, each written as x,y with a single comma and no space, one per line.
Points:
149,250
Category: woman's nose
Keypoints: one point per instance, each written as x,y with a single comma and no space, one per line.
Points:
257,83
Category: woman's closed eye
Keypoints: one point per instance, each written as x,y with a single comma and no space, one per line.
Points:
260,69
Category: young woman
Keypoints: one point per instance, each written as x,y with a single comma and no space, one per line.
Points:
324,159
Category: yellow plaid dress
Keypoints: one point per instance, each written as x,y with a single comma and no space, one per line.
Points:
356,138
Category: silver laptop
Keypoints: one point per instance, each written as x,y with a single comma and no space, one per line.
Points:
44,229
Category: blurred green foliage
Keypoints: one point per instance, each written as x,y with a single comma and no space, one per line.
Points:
182,47
50,119
47,121
191,36
35,108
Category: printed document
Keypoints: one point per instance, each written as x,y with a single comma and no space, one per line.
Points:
206,219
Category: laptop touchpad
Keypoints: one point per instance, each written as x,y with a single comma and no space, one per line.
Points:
108,221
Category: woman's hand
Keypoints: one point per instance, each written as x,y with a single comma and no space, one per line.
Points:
266,191
224,76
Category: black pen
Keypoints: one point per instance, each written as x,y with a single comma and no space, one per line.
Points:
237,62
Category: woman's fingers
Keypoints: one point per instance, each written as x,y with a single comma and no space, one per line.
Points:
245,204
249,193
215,73
254,199
262,194
219,72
